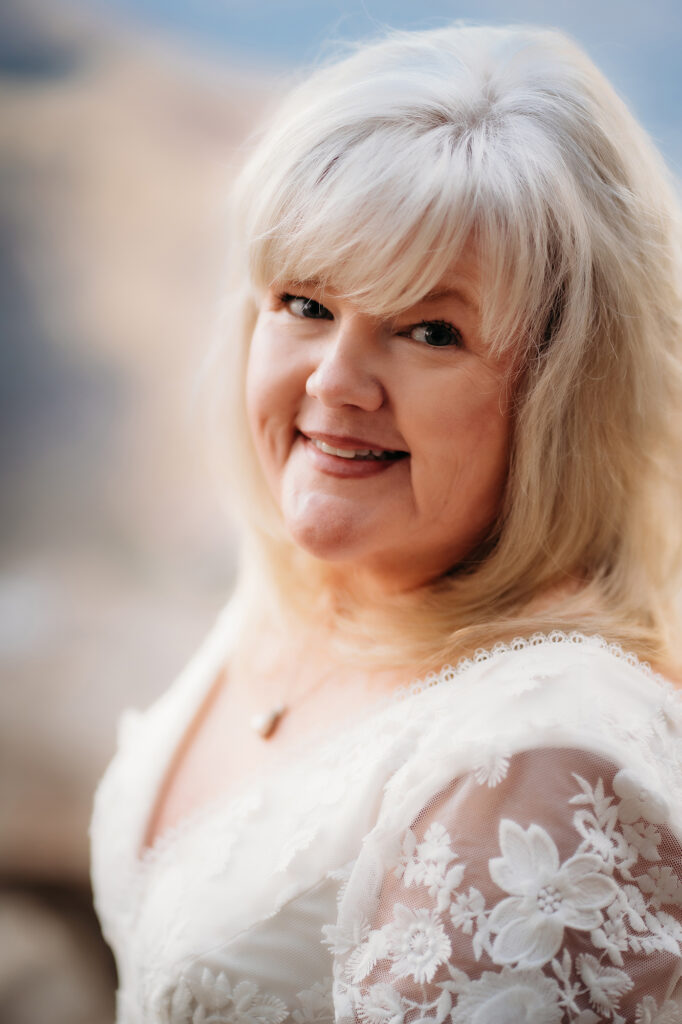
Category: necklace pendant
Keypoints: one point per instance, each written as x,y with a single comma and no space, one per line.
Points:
266,722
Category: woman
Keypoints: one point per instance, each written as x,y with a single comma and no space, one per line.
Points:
455,332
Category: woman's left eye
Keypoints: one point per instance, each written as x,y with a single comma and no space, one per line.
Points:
305,308
436,334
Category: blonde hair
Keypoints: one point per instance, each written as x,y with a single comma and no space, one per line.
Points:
373,175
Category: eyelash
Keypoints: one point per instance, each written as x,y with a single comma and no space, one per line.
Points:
286,299
455,334
456,338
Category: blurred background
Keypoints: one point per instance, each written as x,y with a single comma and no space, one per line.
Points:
120,126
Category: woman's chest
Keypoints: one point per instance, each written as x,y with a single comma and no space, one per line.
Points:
198,970
234,905
216,757
223,749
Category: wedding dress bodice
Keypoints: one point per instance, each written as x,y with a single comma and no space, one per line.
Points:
500,843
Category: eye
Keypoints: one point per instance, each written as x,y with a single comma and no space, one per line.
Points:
436,334
307,309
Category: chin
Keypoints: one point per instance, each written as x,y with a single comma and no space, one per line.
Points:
328,529
325,541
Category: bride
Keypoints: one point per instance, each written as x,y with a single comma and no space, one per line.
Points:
452,350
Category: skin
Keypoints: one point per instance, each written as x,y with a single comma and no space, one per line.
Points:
386,526
326,370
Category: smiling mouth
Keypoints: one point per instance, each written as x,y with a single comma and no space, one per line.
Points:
358,454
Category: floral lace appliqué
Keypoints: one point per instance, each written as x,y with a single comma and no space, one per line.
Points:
210,997
545,896
594,891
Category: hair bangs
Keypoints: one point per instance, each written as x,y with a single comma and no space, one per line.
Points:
355,215
380,230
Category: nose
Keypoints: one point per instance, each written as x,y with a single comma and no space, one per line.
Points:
347,370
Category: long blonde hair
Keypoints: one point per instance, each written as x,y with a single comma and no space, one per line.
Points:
373,175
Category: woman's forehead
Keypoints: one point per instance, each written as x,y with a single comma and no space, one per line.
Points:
462,281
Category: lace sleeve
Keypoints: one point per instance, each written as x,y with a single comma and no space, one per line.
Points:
544,888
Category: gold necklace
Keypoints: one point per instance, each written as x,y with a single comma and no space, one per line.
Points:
266,723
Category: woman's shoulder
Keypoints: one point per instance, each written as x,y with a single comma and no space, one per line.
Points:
574,674
533,843
145,740
582,675
560,691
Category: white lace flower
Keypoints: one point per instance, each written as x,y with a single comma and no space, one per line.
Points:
604,840
629,904
546,896
491,770
649,1013
342,938
363,959
443,891
662,885
644,838
317,1004
599,826
381,1005
612,937
524,997
426,864
251,1006
424,872
628,907
636,801
406,858
213,992
466,909
210,997
666,931
181,1006
436,845
605,985
417,943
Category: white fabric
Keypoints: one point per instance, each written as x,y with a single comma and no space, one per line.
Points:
499,844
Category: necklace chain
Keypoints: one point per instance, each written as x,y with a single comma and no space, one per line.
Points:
265,723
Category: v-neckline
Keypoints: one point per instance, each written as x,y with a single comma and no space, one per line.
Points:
199,698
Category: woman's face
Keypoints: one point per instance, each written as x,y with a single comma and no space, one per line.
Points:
385,442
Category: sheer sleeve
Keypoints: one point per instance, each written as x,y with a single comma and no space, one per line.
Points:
542,888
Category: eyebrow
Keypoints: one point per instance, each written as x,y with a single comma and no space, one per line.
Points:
466,298
312,284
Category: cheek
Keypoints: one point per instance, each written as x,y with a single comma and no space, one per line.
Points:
487,463
464,437
258,389
256,400
487,433
273,394
488,428
259,378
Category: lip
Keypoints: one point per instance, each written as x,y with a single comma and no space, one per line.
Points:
337,466
349,442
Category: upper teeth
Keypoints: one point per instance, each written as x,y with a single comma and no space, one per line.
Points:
346,453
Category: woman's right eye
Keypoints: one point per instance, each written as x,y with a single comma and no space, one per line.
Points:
307,309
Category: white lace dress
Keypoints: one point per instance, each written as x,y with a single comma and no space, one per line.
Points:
501,844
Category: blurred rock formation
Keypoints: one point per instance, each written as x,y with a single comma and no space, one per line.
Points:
115,553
